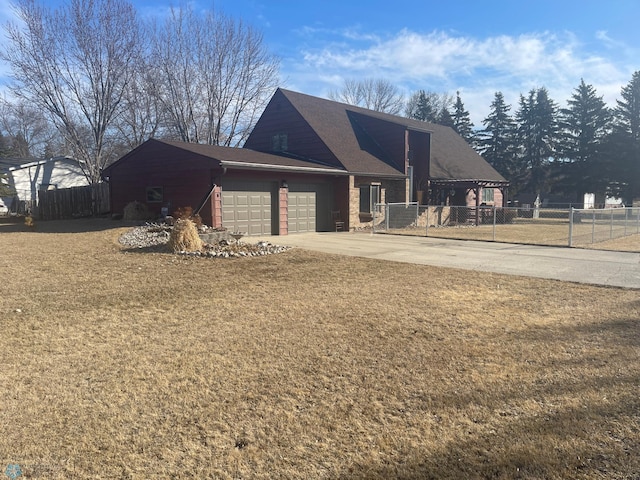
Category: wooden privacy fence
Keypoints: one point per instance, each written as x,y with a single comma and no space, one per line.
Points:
73,202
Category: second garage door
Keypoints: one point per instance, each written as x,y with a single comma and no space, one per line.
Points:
302,212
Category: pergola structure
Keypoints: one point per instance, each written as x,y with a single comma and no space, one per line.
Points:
474,185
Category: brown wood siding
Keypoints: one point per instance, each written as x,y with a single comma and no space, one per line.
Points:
389,136
281,118
419,146
185,178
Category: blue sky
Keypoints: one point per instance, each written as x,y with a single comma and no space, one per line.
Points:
475,47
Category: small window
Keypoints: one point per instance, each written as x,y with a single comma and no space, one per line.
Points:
487,195
154,194
369,196
280,142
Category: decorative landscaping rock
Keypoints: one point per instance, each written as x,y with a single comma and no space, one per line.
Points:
217,244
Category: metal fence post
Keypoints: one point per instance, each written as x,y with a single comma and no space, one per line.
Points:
611,224
386,217
375,210
593,227
494,223
426,232
571,227
626,218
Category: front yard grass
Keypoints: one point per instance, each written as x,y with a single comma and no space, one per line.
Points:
124,364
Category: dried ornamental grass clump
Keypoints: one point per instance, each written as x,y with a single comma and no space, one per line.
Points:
184,237
135,211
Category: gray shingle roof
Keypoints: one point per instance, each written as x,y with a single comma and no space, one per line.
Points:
239,156
451,156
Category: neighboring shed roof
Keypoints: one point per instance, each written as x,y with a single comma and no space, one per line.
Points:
452,158
44,161
8,162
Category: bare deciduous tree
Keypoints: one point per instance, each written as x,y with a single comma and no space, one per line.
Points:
372,93
25,128
76,62
140,117
214,76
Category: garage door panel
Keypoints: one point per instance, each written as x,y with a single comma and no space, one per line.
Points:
246,207
302,211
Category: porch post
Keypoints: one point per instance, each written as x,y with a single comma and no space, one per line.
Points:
477,192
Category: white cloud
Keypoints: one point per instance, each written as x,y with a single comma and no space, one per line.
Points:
478,67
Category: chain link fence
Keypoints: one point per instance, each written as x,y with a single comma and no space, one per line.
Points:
529,225
590,226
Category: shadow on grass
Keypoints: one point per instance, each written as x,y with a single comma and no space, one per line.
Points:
553,445
585,424
80,225
149,249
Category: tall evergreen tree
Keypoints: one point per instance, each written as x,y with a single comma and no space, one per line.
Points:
4,145
627,136
5,189
496,140
420,108
427,106
585,124
462,121
445,118
537,135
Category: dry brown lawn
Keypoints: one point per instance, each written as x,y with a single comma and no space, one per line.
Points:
117,364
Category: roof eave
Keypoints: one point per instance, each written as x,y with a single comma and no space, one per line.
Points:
474,181
390,176
281,168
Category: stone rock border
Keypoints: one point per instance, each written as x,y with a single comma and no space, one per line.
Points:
217,244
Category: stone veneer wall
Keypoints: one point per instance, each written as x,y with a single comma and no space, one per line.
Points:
391,191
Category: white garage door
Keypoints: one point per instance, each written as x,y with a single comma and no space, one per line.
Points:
246,207
302,212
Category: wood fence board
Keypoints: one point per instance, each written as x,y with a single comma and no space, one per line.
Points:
73,202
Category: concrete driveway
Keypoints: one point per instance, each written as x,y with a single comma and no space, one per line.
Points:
619,269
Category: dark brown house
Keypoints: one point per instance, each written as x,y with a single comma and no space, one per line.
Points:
308,162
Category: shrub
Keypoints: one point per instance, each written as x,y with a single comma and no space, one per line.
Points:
184,237
187,213
135,211
506,215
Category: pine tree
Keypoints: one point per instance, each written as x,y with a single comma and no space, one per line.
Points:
4,146
444,118
5,189
537,135
627,136
585,125
496,140
420,108
427,106
462,121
